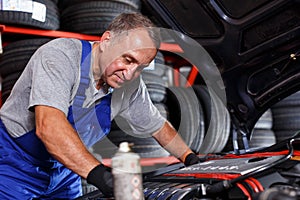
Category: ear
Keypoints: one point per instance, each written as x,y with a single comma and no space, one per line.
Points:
104,39
105,36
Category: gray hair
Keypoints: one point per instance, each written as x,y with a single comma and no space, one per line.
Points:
129,21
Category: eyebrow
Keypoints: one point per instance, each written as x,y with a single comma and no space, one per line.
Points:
135,60
131,57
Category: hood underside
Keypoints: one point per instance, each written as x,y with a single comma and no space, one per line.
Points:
255,45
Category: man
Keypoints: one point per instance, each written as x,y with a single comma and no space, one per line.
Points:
64,102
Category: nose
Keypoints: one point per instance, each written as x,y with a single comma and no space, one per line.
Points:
129,72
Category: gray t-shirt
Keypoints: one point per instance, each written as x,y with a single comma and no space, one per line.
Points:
52,77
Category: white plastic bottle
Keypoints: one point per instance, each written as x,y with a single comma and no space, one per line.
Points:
126,170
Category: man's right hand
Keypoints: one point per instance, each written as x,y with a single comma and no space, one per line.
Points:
102,178
191,159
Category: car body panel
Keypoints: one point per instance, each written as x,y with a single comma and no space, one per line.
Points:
255,45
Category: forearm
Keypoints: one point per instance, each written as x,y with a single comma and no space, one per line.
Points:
62,141
168,138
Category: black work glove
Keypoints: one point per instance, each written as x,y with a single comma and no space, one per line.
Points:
191,159
102,178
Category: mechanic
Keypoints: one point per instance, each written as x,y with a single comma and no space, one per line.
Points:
64,102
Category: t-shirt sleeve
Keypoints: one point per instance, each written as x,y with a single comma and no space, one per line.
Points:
142,116
53,77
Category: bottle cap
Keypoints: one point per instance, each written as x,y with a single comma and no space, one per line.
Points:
124,147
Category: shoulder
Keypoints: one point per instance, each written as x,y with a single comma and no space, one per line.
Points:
58,51
63,41
62,44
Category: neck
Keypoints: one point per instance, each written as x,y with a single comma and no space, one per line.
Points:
100,84
96,65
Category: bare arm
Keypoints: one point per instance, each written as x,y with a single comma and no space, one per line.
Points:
62,141
168,137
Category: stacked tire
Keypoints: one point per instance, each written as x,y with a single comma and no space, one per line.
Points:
37,14
217,121
42,14
199,116
92,16
186,115
263,134
286,117
14,59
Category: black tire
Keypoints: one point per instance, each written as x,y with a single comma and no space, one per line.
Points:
265,121
9,81
290,101
156,80
145,146
186,115
285,134
261,138
16,55
92,17
262,135
7,85
159,66
286,117
5,95
156,87
204,98
217,121
63,4
51,22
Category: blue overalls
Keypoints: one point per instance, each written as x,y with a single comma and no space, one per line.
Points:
28,171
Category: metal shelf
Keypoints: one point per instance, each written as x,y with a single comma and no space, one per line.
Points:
48,33
51,33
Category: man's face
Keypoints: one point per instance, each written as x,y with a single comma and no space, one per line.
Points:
125,56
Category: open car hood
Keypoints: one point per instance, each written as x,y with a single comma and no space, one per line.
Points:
255,45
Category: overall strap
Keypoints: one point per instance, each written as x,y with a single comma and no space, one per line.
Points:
84,73
92,122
